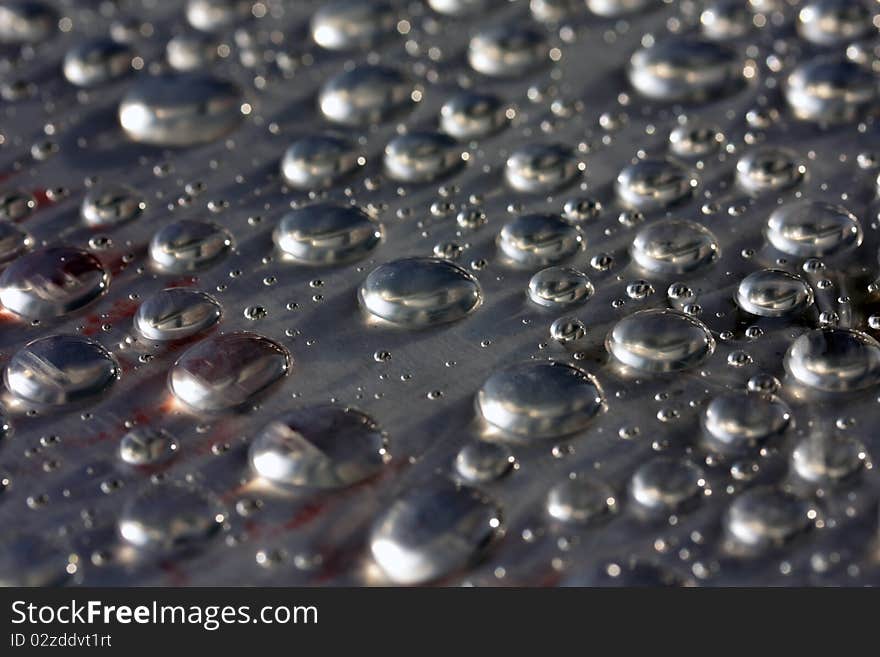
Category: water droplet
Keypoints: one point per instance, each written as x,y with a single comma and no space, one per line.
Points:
472,115
364,95
813,229
654,184
834,360
694,139
726,19
419,292
166,517
180,109
109,205
52,282
227,371
480,462
827,459
773,293
738,422
660,341
60,369
507,50
26,22
190,51
539,399
318,447
830,90
581,500
318,161
457,7
176,313
16,205
617,8
685,70
540,168
764,517
13,242
351,24
432,531
419,157
216,15
674,246
665,484
147,446
769,169
188,245
560,287
834,22
96,61
537,240
326,233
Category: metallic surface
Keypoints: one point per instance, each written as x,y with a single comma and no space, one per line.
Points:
732,438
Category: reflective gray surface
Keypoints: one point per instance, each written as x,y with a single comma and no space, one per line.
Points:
700,178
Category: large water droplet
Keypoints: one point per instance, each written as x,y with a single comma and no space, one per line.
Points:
764,517
540,168
109,205
366,94
180,109
480,462
471,115
674,246
560,287
834,360
726,19
318,161
660,341
580,500
419,292
96,61
188,245
834,22
738,422
350,24
539,399
830,90
665,484
167,516
176,313
419,157
318,447
773,293
654,184
326,233
60,369
227,371
216,15
507,50
147,446
685,69
432,531
769,169
813,229
827,459
457,7
13,242
52,282
536,240
26,22
616,8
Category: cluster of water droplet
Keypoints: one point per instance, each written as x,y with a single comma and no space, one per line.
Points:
344,292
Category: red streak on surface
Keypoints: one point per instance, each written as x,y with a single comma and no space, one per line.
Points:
121,309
